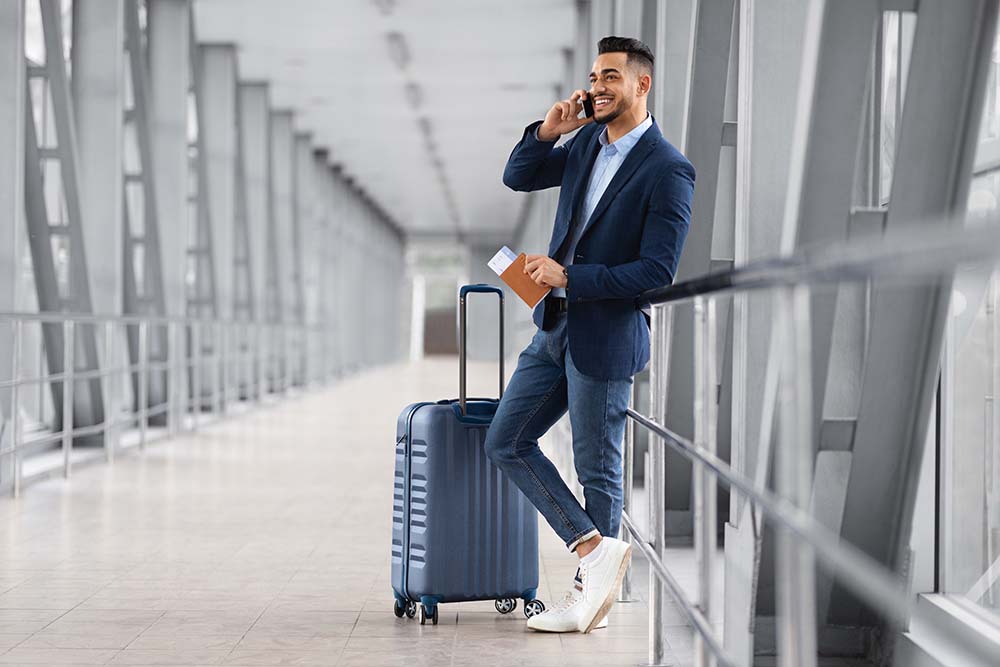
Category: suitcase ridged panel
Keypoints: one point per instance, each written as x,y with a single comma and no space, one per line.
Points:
473,535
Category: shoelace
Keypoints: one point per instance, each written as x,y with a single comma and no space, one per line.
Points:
568,600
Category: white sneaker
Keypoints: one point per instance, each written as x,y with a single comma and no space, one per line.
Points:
601,581
565,616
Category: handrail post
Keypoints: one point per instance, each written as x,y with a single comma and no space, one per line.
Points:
286,338
307,350
173,379
658,367
110,400
628,465
796,590
15,412
217,370
143,408
220,370
195,373
704,483
69,380
258,355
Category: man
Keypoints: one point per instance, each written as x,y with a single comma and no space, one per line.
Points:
623,215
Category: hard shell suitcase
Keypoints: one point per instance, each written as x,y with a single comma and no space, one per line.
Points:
460,529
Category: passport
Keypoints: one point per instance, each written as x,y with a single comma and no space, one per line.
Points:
510,268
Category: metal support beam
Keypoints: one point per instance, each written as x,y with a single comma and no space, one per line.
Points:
168,48
46,231
168,33
255,128
12,92
770,56
309,249
284,218
713,33
215,93
98,101
141,248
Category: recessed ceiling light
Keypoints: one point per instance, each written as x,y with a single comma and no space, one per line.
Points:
399,50
414,95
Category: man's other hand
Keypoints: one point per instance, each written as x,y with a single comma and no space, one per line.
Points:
563,117
544,270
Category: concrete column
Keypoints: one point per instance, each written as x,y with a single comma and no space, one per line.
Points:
168,35
256,128
283,205
218,140
12,236
97,87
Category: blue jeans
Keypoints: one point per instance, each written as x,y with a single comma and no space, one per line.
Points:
546,384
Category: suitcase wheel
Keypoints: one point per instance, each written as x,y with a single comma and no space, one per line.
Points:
428,613
398,609
411,609
506,605
533,608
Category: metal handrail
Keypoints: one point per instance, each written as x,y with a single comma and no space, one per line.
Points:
194,347
58,316
880,588
930,254
903,253
694,615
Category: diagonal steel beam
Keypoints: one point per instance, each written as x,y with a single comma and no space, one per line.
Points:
54,295
713,33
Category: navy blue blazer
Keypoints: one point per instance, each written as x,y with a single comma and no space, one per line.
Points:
632,241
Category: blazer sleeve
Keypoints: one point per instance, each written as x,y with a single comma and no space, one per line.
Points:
666,226
535,165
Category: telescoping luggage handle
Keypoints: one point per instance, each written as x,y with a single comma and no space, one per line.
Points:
466,289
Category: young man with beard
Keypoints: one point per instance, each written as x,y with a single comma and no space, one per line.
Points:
623,214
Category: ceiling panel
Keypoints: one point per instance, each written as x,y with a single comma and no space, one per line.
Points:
482,69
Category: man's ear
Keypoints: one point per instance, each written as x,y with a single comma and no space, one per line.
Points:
645,83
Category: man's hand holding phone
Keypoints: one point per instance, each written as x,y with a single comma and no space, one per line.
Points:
564,116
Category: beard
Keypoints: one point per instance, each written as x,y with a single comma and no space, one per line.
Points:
612,114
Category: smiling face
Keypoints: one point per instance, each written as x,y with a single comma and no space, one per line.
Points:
616,86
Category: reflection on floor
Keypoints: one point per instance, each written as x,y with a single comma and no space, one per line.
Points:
263,540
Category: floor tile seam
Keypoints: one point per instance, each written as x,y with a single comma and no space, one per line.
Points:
247,631
11,648
143,631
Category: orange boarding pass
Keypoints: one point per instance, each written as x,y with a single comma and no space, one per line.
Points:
510,268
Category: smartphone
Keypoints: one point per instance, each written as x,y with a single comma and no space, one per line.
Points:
588,106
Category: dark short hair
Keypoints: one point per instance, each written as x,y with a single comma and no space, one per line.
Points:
639,54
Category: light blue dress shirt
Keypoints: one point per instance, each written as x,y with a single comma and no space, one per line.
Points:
607,164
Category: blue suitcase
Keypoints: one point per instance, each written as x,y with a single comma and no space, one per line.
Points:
460,529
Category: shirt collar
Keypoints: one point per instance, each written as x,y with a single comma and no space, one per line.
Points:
627,142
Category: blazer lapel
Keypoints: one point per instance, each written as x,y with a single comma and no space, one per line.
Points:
579,188
635,158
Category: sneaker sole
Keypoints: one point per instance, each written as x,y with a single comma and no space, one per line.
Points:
610,600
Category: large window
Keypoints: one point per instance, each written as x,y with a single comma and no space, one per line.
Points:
969,448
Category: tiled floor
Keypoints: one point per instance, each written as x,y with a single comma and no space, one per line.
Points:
261,541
